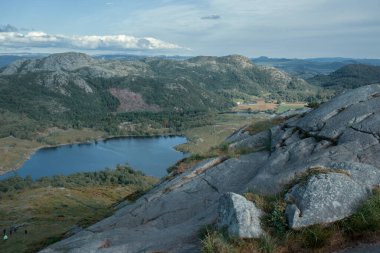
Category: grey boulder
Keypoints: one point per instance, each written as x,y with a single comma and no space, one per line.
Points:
323,198
239,216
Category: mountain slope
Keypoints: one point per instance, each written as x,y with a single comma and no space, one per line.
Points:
348,77
74,84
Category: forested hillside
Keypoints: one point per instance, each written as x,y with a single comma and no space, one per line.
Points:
348,77
75,90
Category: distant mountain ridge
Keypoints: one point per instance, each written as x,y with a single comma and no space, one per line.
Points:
76,82
74,90
310,67
348,77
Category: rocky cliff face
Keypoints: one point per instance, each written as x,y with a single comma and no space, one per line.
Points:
338,144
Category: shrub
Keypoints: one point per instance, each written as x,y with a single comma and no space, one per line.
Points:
313,105
275,219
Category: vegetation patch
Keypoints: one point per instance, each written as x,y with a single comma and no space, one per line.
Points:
301,178
184,164
51,207
363,226
283,107
366,220
205,138
263,125
267,244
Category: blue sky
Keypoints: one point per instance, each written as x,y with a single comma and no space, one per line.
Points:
275,28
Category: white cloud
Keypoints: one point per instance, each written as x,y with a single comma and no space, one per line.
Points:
39,39
280,28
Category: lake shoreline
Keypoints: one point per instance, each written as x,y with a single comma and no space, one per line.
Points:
19,164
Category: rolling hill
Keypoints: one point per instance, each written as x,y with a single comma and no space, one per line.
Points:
310,67
73,87
348,77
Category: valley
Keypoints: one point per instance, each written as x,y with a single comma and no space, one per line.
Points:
190,126
215,102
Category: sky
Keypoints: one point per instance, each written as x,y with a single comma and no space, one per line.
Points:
273,28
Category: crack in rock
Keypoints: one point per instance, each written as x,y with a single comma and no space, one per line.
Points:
162,214
366,132
211,185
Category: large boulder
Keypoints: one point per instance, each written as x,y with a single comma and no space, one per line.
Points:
323,198
239,216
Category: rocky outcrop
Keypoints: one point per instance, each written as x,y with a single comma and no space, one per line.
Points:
239,216
323,198
341,136
169,217
300,144
294,113
330,195
252,143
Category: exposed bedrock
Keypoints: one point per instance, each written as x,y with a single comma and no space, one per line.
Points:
341,138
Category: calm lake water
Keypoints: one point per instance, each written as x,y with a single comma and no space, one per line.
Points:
152,155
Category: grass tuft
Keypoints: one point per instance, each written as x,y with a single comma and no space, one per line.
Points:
215,242
366,219
316,237
267,244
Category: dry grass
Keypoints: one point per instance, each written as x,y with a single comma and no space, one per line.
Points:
14,152
260,105
56,136
48,213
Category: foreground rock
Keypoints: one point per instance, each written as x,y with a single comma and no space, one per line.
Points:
324,198
341,135
240,216
252,143
332,194
169,217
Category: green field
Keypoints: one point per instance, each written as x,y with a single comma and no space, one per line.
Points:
202,139
283,107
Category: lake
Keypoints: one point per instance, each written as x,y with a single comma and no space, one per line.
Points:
151,155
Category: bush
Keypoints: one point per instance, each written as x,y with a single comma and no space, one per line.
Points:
313,105
122,175
275,219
